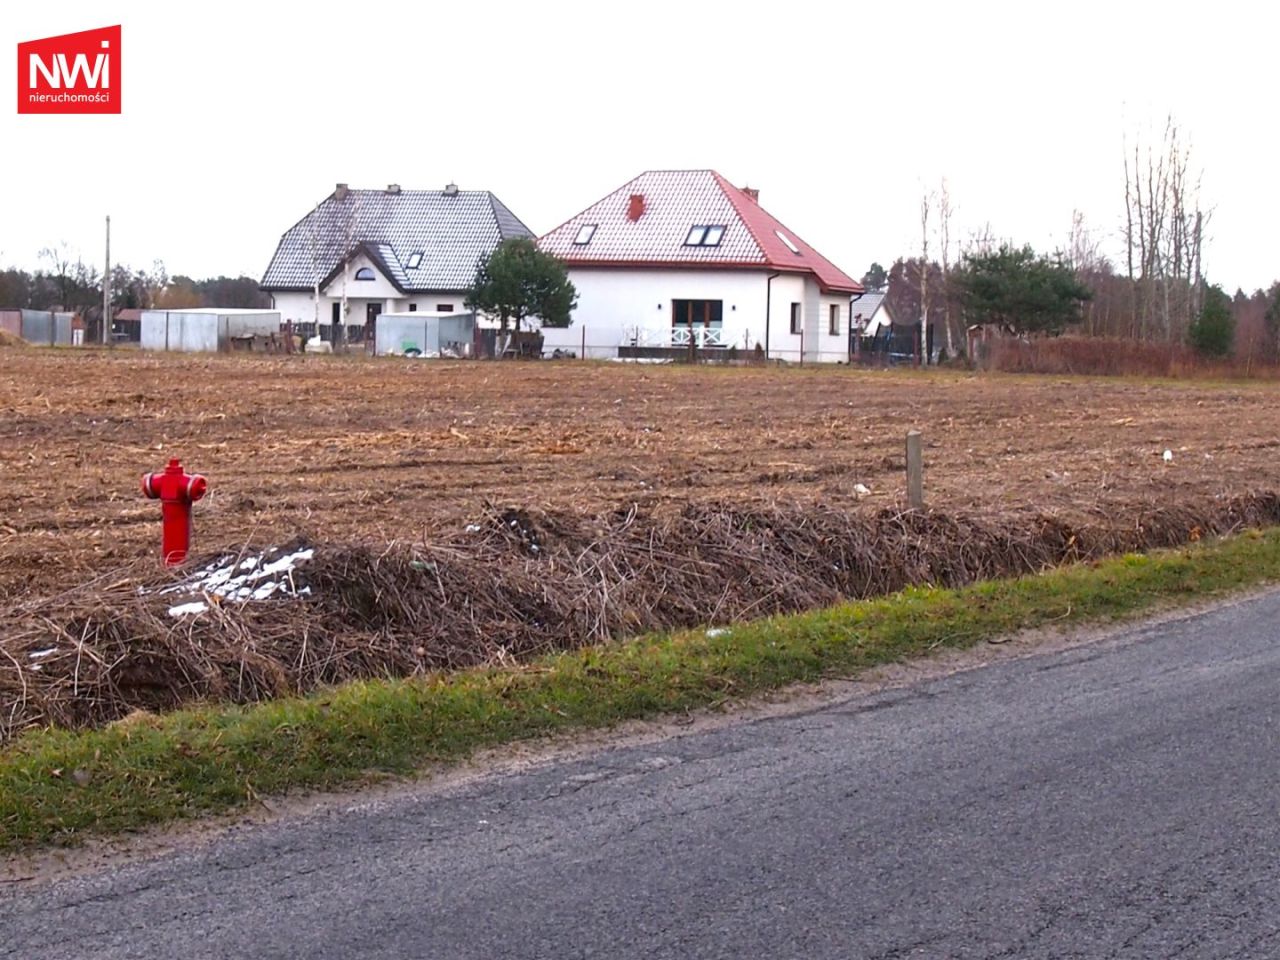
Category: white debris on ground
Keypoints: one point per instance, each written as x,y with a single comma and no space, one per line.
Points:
241,580
185,609
717,632
1168,456
861,489
39,655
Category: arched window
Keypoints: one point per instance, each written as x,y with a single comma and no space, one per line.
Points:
364,273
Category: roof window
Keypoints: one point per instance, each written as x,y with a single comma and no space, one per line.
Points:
585,233
364,273
415,261
704,236
788,241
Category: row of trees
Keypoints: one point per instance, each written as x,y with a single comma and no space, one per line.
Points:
66,282
1025,293
1157,290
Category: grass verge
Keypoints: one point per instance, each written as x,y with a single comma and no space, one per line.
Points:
56,785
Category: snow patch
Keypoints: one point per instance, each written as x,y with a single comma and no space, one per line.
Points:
254,578
185,609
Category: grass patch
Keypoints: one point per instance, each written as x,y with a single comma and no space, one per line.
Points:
56,785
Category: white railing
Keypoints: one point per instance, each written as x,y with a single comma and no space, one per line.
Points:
702,336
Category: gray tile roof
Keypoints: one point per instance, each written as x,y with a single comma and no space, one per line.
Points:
867,304
868,307
452,232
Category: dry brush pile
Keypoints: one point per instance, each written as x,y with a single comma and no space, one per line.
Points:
516,584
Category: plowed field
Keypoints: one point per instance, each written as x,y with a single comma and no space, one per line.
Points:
382,450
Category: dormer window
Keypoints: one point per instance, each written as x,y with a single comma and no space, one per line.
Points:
415,261
585,233
364,273
788,241
705,236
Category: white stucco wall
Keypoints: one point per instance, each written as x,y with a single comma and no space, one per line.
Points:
299,306
617,305
833,348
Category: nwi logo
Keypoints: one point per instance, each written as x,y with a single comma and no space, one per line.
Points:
75,73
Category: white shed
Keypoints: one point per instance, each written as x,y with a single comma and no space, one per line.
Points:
424,334
204,329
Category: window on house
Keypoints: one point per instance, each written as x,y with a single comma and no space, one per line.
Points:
364,273
413,308
697,313
444,308
702,235
585,233
795,318
415,261
788,241
833,327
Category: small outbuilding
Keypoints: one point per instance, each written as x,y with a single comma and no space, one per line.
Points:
425,334
206,329
43,328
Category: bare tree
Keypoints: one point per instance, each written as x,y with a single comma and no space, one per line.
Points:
945,211
923,353
60,269
312,228
1084,256
1164,235
350,235
979,241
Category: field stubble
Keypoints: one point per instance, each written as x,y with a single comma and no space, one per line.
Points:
471,513
372,452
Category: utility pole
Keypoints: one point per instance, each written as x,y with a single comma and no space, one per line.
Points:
106,288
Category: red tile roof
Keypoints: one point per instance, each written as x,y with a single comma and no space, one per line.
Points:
674,201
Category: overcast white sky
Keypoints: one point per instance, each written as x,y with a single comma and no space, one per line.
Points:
238,117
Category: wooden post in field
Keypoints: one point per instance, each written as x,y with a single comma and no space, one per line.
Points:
915,471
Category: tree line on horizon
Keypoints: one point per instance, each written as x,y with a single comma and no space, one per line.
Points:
1156,291
65,282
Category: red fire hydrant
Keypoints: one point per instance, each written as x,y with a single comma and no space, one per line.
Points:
176,490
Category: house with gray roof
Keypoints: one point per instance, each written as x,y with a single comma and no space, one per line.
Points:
870,313
361,253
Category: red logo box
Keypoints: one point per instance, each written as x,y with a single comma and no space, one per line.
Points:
75,73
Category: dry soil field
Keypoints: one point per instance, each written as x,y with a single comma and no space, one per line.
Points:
347,449
480,513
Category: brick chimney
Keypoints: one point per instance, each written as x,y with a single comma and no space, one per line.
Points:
635,209
753,193
340,192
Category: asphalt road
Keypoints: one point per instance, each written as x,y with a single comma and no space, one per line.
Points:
1118,800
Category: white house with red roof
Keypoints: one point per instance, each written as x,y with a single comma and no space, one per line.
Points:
675,255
